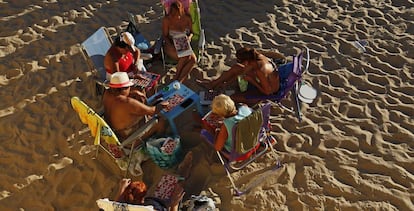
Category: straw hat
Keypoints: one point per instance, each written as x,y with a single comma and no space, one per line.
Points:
120,80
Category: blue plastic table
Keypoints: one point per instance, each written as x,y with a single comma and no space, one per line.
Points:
189,98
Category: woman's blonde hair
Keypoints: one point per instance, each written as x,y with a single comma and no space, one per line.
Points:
223,105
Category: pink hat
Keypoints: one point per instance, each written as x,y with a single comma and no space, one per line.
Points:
120,80
127,38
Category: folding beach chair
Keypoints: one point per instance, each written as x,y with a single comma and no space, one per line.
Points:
94,49
197,41
251,139
290,76
120,152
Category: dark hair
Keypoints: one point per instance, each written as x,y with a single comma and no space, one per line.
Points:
118,42
178,6
246,54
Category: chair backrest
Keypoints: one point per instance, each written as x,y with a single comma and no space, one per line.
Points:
196,19
94,49
98,127
292,72
247,133
198,31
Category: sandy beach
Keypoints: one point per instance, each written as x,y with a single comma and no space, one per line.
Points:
351,151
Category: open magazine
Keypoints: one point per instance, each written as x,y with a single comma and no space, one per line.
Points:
182,44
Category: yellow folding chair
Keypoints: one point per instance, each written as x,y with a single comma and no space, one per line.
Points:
102,131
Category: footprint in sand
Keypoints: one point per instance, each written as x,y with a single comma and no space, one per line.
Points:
4,194
61,164
86,149
29,180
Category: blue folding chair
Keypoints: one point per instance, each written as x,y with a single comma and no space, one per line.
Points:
290,76
94,49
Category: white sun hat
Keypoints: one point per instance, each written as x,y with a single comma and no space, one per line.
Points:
120,80
307,93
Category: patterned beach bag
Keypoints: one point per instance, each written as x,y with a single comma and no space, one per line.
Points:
165,152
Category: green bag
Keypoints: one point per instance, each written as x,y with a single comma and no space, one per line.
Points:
165,152
242,83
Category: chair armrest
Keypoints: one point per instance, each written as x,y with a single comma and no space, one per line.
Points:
158,45
207,136
140,132
146,56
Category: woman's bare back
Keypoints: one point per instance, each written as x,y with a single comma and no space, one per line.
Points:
267,75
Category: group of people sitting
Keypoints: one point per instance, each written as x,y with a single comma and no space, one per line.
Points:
123,55
254,66
125,107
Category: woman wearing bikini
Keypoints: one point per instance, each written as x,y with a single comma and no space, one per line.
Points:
175,22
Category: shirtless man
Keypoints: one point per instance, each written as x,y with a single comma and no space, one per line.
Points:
122,56
125,109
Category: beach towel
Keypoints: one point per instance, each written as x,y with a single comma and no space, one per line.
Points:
248,130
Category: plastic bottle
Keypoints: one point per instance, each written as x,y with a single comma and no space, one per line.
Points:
360,45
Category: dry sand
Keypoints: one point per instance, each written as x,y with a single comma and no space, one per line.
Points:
352,151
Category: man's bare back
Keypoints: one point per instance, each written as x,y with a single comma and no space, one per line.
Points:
125,108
